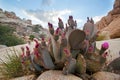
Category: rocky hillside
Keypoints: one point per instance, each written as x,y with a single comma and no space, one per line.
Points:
22,26
111,22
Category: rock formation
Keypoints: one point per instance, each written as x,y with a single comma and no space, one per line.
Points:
23,27
10,19
111,22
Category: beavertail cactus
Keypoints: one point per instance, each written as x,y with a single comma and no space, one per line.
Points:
72,50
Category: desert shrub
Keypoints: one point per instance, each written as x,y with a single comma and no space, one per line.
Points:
100,38
12,66
32,37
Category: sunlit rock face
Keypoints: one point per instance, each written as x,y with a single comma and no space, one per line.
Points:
111,22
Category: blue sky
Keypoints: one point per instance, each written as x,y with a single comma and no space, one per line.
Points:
43,11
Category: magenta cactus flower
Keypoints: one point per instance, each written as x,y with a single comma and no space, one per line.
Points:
105,45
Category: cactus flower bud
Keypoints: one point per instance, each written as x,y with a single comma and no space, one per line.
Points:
51,29
105,45
27,51
67,52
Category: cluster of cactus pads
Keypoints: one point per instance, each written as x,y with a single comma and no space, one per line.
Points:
68,49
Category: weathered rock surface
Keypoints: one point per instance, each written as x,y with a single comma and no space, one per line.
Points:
111,22
106,76
57,75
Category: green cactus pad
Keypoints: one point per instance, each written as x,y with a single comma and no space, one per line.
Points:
80,64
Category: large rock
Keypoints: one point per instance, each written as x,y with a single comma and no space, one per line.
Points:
57,75
111,22
105,76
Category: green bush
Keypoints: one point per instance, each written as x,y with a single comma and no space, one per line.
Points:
7,38
10,40
12,67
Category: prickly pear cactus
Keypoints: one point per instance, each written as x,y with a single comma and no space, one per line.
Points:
73,51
